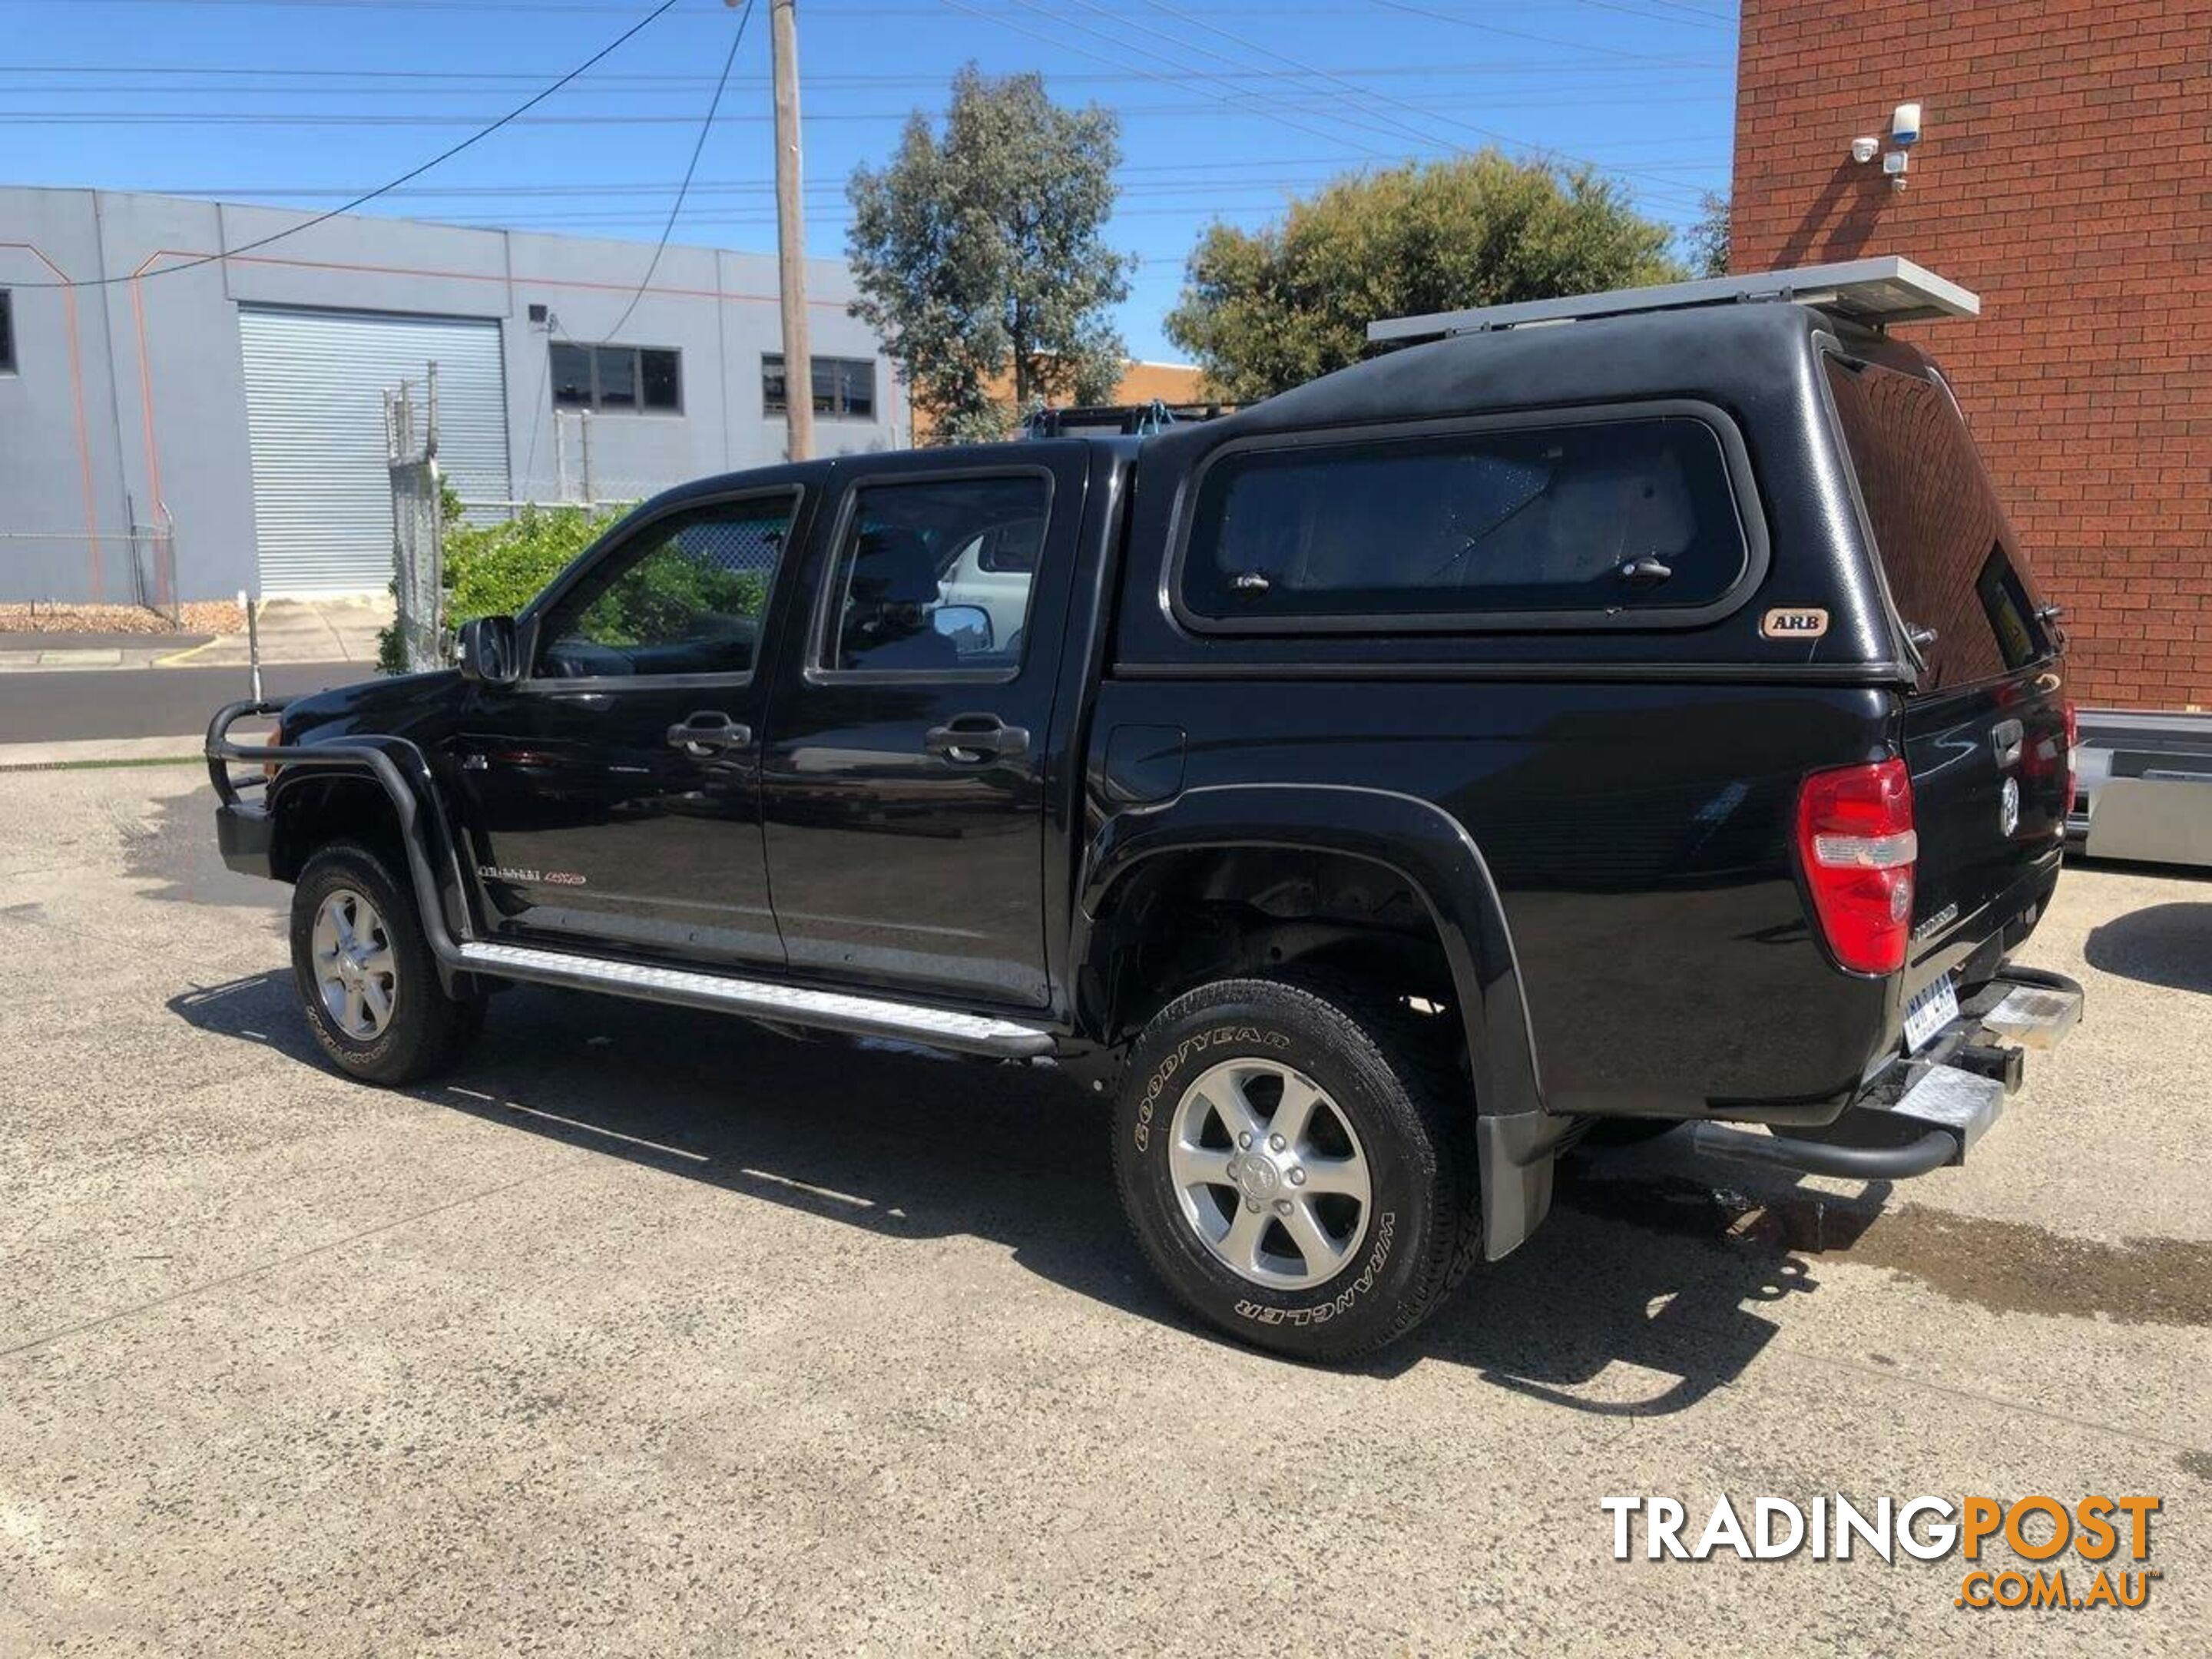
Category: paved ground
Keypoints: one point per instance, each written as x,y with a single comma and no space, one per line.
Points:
144,703
300,630
652,1335
308,630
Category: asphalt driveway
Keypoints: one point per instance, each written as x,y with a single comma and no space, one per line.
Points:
652,1333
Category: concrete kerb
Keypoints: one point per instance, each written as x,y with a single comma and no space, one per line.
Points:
336,629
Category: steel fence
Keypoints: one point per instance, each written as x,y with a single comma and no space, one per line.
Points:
66,567
411,437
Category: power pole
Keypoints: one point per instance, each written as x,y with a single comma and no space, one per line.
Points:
790,234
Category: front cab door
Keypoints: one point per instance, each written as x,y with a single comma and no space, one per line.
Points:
613,793
904,778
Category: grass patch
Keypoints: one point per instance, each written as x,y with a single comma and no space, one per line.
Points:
100,765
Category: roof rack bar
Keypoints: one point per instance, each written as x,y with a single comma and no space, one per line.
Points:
1883,290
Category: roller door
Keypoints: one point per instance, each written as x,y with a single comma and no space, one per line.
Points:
314,403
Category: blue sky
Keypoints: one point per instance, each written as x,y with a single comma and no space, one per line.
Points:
1228,109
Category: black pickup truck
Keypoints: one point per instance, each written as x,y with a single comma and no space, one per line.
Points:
1647,718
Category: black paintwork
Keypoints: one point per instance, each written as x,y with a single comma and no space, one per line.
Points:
1598,821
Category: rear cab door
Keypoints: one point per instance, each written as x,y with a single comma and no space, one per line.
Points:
905,766
1986,732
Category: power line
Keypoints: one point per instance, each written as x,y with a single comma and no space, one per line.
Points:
1244,101
650,79
833,193
1270,103
1395,127
1686,13
1331,76
369,196
1687,16
690,168
1248,104
1205,171
1489,27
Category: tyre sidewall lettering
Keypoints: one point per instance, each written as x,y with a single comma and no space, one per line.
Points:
1259,1037
1337,1306
1225,1039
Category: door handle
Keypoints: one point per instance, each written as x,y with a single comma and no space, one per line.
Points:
707,731
971,739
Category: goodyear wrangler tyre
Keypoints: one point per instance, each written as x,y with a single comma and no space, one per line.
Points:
368,981
1293,1160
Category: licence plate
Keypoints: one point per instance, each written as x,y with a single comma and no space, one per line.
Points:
1933,1007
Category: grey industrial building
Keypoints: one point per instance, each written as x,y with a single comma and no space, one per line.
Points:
220,427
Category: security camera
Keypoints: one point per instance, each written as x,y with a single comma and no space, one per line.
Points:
1862,150
1904,124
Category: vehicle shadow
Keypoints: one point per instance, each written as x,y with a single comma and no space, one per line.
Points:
1642,1295
2168,944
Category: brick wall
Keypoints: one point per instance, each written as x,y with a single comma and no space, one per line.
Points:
2065,174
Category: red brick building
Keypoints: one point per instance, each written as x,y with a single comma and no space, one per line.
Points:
2064,173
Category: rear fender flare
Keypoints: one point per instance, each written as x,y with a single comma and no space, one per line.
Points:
1417,840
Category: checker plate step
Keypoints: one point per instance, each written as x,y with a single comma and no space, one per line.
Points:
793,1005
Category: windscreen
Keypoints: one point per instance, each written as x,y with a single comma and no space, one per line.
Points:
1953,571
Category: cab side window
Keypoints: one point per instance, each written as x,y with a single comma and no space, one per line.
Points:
685,595
934,576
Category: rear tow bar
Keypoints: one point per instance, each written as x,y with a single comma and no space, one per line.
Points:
1929,1113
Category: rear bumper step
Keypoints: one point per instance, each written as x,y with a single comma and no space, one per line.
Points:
1925,1115
795,1005
2035,1016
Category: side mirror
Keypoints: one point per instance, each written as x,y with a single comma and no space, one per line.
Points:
968,626
488,651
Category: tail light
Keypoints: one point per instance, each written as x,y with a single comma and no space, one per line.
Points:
1857,847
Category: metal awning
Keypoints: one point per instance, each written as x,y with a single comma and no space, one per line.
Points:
1885,289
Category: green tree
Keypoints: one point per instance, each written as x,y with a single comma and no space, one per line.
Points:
1706,241
1265,310
981,253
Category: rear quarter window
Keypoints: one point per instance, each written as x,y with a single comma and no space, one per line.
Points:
1946,551
1632,518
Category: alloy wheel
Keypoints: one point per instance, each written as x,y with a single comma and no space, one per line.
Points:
355,971
1269,1173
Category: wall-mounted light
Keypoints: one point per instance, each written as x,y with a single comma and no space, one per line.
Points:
1894,165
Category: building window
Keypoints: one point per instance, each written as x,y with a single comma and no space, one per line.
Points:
844,388
7,333
616,379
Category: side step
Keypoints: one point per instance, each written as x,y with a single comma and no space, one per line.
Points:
792,1005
